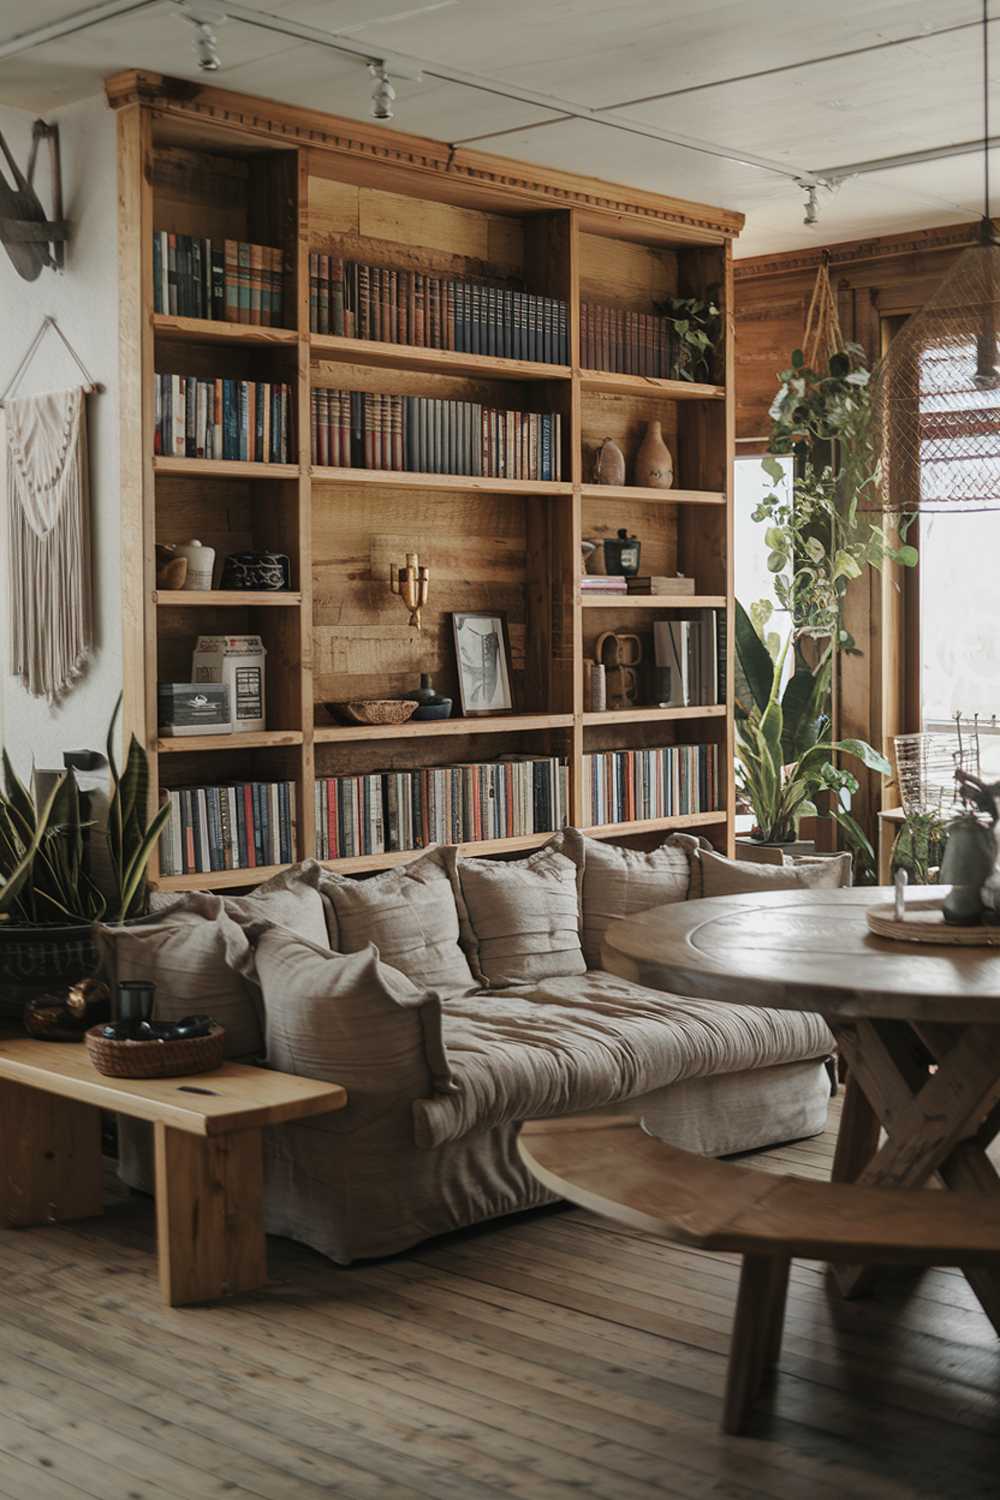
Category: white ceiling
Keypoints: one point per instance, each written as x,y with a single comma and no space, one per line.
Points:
599,55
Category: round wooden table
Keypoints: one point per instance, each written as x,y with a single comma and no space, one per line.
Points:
918,1026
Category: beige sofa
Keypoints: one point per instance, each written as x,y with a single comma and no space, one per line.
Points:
455,998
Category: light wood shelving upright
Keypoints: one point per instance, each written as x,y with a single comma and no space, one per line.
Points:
202,161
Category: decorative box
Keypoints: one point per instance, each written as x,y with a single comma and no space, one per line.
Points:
237,662
193,708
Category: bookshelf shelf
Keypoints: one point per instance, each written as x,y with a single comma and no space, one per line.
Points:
332,346
464,484
211,331
639,493
332,734
659,825
655,715
217,880
308,183
610,384
654,601
264,740
222,468
226,599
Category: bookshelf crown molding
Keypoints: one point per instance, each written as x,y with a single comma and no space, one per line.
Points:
503,175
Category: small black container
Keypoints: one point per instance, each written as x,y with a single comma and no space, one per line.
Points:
621,555
134,1000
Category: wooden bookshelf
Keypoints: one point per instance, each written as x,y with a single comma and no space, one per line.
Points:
197,160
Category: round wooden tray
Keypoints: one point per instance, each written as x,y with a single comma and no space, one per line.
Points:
924,923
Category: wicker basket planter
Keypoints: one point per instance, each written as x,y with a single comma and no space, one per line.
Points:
375,710
37,959
187,1055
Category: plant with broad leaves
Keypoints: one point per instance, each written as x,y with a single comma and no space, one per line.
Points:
783,750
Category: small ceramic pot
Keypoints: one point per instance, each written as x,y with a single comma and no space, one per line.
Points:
264,572
201,565
609,463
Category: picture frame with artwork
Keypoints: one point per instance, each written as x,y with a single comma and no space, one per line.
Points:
483,662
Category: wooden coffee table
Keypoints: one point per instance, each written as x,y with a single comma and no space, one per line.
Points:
919,1027
209,1155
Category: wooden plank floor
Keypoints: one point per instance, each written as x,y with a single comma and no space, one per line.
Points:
549,1356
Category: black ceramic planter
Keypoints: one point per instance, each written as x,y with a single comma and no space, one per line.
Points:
41,959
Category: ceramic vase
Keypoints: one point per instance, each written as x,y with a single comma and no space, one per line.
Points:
609,463
654,466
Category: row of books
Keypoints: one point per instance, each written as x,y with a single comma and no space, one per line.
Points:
628,786
424,435
237,419
227,280
434,312
626,343
390,810
236,827
646,585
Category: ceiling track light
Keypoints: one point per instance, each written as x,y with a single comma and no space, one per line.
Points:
383,92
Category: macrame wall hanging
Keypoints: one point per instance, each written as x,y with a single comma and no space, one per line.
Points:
50,588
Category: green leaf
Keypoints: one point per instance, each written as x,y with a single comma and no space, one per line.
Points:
776,561
774,471
798,359
752,660
906,555
16,881
845,566
814,549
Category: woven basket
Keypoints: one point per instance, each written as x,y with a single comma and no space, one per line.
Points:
376,710
194,1054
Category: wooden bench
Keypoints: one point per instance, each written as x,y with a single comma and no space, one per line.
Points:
610,1166
208,1146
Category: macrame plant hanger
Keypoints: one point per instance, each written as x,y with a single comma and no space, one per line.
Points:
823,336
50,592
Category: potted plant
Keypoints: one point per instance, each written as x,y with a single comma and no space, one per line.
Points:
48,900
696,324
783,750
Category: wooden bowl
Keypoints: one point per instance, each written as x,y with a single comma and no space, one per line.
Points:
375,710
186,1055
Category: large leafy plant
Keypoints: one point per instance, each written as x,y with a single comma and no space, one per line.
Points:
784,753
44,874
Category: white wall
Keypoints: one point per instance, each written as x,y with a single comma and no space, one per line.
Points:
84,299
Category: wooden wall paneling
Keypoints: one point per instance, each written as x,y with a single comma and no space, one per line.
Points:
197,192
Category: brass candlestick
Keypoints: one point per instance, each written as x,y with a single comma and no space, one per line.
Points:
411,583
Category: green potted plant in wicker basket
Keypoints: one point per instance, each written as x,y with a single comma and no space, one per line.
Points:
49,901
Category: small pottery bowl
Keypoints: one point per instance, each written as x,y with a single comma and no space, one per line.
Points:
440,709
374,710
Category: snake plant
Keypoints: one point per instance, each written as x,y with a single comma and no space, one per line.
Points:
783,754
44,875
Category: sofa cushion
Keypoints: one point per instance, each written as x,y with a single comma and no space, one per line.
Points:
618,882
411,916
198,958
577,1043
715,875
521,918
349,1018
291,899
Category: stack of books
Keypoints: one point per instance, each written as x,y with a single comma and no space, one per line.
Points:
390,810
239,826
434,312
424,435
628,786
237,419
228,280
600,583
626,343
665,587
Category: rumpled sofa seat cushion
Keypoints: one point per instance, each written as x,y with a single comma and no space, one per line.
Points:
577,1043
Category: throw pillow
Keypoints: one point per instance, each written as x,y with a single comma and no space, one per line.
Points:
291,899
197,957
349,1018
742,877
618,882
410,914
521,918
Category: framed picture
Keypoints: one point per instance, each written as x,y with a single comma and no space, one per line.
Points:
482,656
